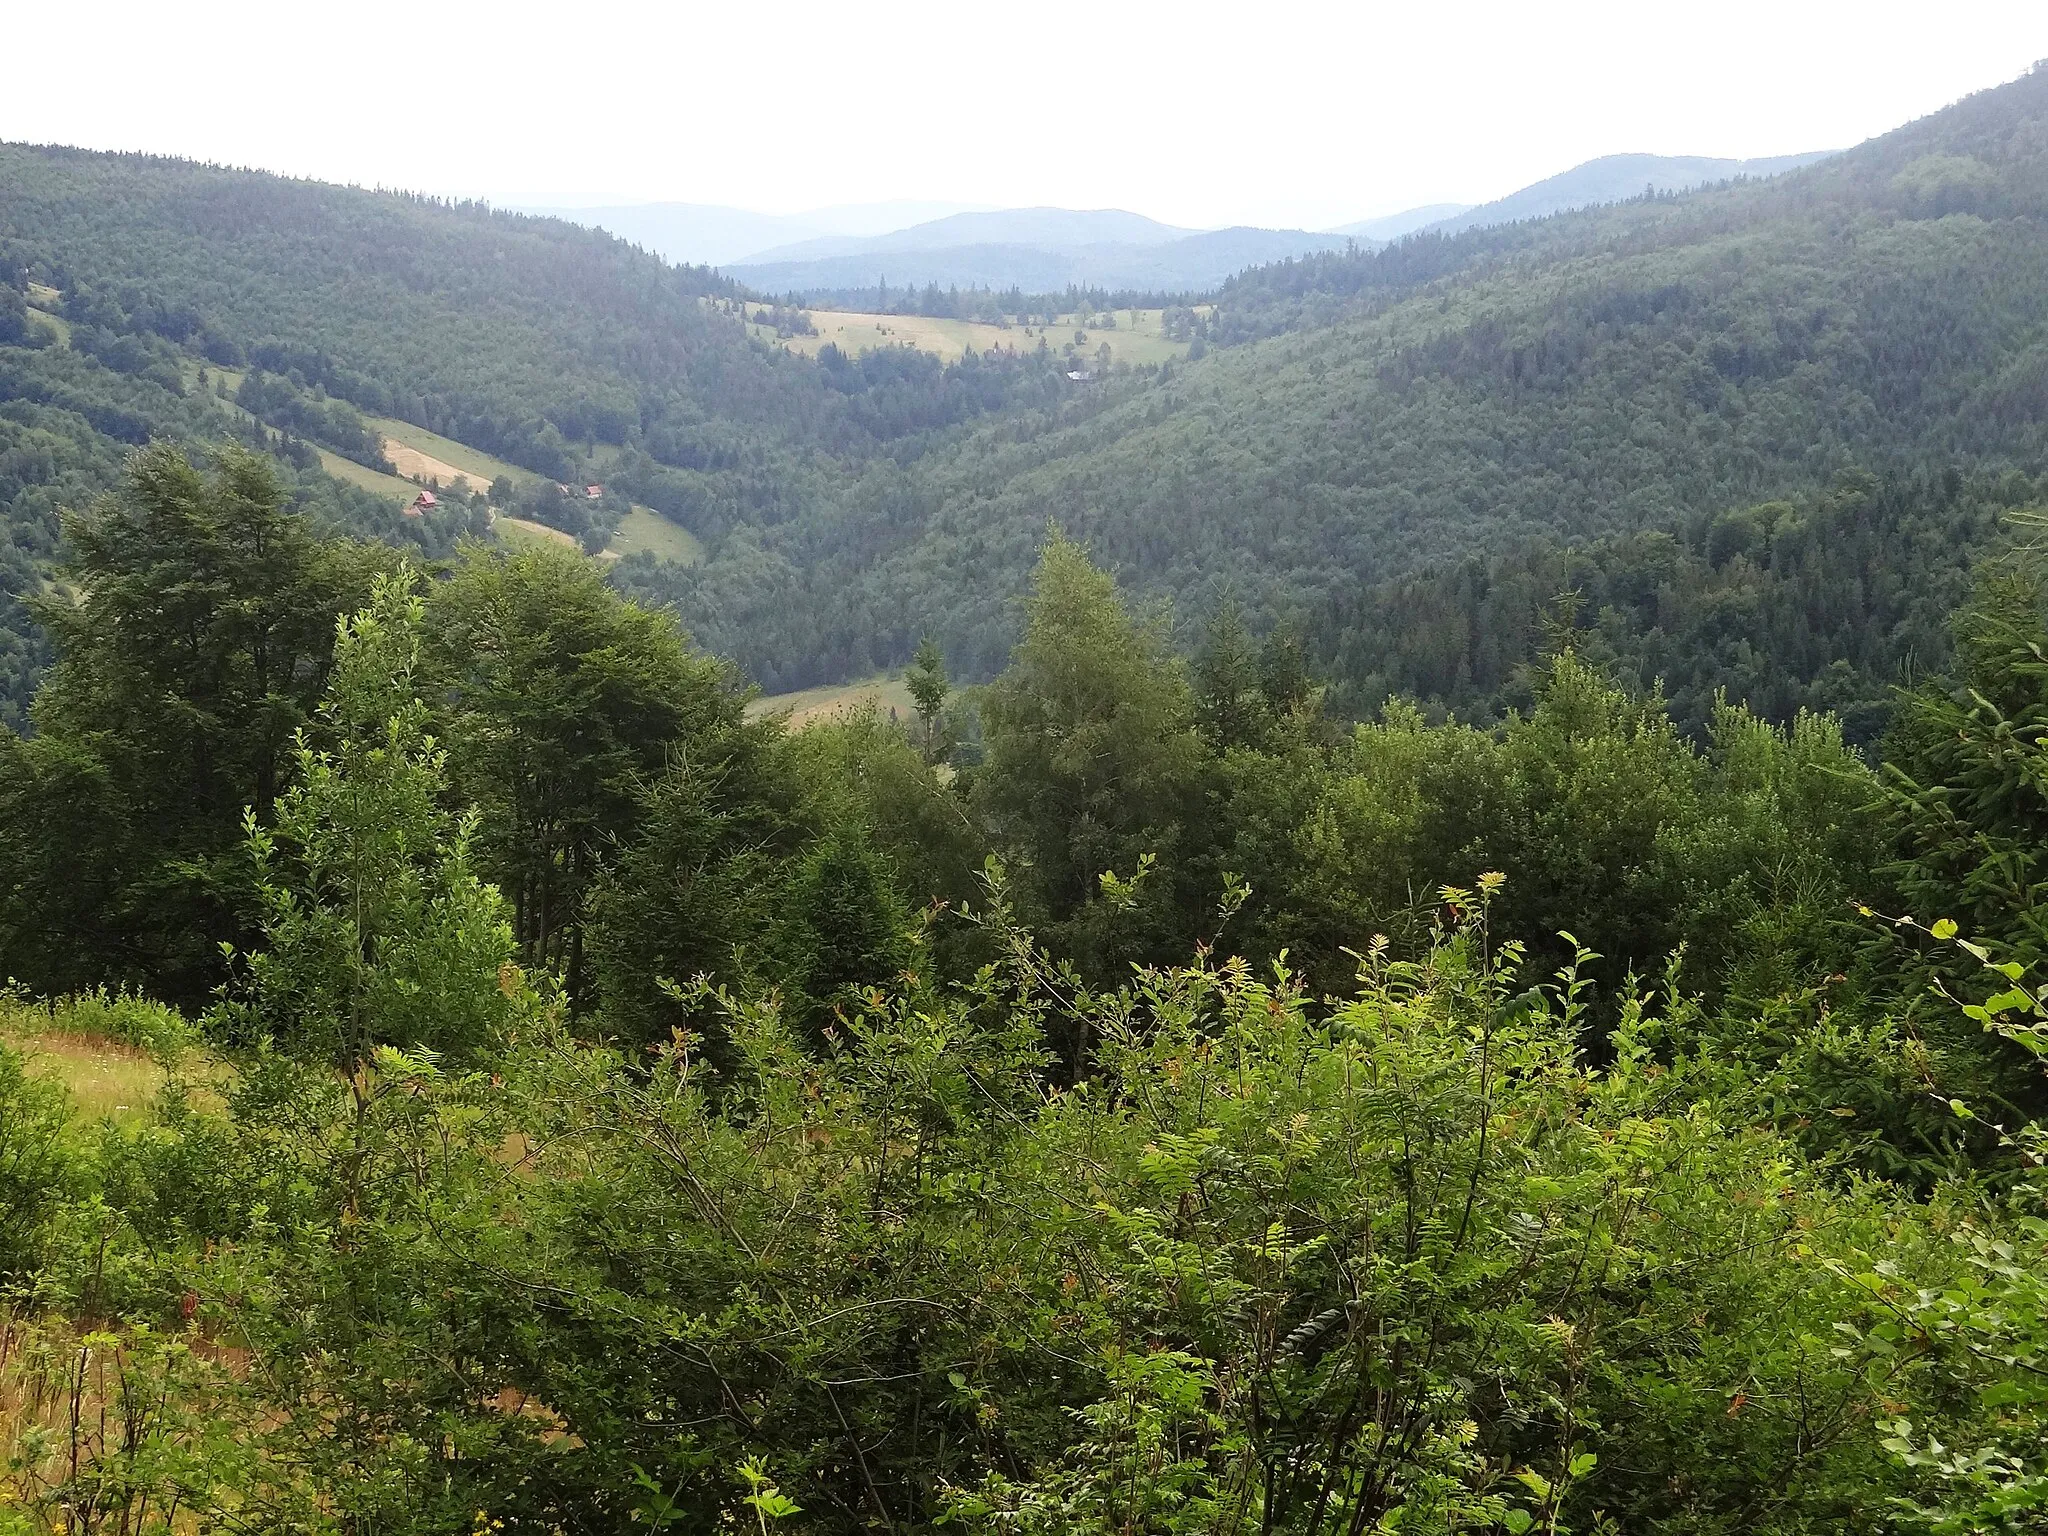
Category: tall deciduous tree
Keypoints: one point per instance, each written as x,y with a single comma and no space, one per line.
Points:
376,929
563,702
195,639
1092,758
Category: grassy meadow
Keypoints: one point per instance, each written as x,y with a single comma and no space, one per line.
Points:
806,705
645,531
107,1049
1136,339
442,458
368,479
519,532
106,1079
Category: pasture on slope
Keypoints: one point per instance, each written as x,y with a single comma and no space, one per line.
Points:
645,531
885,692
422,456
1136,340
362,475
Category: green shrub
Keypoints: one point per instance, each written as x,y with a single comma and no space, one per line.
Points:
35,1166
125,1018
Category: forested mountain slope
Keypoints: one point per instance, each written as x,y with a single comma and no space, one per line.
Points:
528,337
561,349
1586,375
69,417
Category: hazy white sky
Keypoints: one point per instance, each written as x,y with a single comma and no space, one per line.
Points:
1281,112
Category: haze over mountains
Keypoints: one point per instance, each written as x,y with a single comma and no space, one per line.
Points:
707,234
1049,249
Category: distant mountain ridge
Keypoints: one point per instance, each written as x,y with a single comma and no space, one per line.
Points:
1613,179
710,234
1190,262
1033,228
1048,249
1392,226
955,244
1363,416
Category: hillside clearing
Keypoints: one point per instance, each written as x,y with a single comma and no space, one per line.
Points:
1136,339
645,531
442,458
428,470
365,477
519,530
43,303
808,705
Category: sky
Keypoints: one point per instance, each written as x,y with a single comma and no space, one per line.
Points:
1287,113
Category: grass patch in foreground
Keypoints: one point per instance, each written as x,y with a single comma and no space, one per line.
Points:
106,1080
108,1049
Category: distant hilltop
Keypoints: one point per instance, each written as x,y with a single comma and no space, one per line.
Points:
1614,178
1049,249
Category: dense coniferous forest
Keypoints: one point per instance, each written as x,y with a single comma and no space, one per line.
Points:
1451,941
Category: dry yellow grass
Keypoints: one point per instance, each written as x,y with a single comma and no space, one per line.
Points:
426,469
1136,339
813,704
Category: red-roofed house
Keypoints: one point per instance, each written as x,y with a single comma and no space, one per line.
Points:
422,504
592,492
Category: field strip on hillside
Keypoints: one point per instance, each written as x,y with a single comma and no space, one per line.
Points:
1136,339
520,530
449,459
885,693
425,468
360,475
43,304
644,530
